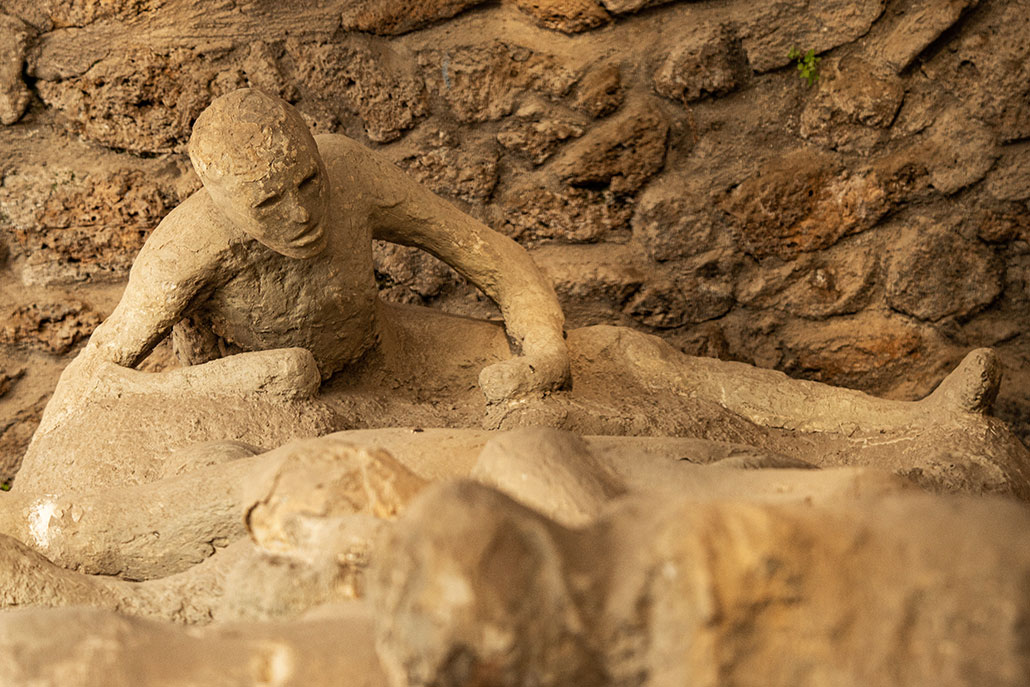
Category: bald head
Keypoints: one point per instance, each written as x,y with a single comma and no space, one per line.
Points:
262,170
247,135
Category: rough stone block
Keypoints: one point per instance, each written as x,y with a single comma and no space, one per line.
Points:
8,376
837,281
987,68
533,214
410,269
671,227
934,272
567,16
667,304
15,36
706,62
801,202
143,101
852,106
626,6
869,349
593,282
908,29
1010,178
771,28
485,82
68,225
960,150
620,154
467,171
387,95
600,92
539,138
51,327
394,17
15,433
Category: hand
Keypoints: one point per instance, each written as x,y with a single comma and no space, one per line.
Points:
525,374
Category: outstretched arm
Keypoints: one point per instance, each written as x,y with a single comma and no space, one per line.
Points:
414,216
165,278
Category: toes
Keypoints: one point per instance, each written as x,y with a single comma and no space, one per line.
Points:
973,385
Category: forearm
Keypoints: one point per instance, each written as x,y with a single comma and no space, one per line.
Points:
494,263
532,315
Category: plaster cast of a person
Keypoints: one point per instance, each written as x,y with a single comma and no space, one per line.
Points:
275,252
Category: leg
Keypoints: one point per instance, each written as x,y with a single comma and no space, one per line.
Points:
264,398
772,399
160,528
97,648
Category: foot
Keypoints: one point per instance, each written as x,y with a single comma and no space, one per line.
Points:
973,385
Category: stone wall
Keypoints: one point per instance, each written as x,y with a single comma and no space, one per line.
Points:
663,161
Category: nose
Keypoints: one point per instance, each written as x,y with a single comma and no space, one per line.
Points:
299,213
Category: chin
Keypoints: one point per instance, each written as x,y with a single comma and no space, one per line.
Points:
306,249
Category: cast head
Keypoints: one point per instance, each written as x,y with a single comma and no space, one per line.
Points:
262,169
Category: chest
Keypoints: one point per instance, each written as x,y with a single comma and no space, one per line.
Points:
271,292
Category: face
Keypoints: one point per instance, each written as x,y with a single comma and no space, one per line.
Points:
286,210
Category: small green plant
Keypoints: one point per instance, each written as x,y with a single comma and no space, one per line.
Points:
5,486
806,64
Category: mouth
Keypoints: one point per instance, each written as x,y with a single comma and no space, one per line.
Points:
310,235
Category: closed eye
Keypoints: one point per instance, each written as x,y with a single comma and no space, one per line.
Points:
307,181
267,202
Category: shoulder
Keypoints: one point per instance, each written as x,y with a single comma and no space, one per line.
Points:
364,172
339,146
192,238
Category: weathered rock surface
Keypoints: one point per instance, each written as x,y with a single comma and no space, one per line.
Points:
801,203
143,101
567,16
673,227
410,269
14,95
387,95
867,346
486,82
934,273
9,377
852,107
51,327
960,150
537,138
905,32
706,62
987,70
593,280
468,171
535,214
15,433
394,17
70,224
834,282
665,304
624,6
621,154
1007,180
600,92
771,29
